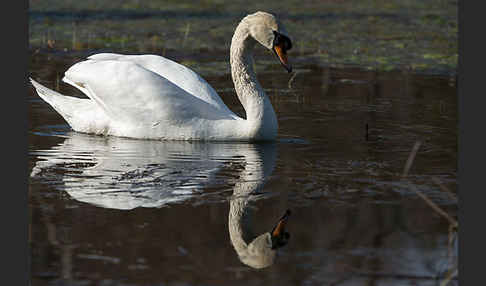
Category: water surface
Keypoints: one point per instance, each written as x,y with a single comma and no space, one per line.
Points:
117,211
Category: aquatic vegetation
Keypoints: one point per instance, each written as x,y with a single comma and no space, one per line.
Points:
378,35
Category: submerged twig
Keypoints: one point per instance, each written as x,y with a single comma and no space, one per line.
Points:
366,131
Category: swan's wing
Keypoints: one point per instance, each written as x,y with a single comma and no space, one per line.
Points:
130,93
178,74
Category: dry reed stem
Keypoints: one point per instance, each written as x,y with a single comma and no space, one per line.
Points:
450,275
73,42
450,246
435,207
411,158
292,79
444,188
186,34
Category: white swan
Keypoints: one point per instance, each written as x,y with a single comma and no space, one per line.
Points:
151,97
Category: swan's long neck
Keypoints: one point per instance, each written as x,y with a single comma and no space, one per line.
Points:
260,115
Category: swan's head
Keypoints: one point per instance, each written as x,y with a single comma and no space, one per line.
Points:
262,251
266,29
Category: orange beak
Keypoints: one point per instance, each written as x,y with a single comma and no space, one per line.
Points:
280,227
282,56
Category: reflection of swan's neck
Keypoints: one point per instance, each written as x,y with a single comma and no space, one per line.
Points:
259,111
239,224
240,215
252,250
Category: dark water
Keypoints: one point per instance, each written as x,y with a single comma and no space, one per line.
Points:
113,211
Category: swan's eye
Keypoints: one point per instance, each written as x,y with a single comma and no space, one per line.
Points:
282,41
287,43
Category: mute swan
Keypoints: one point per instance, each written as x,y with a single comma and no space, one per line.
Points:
151,97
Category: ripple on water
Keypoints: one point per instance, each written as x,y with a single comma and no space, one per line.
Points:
124,173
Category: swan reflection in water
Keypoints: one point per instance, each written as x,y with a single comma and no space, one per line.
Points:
119,173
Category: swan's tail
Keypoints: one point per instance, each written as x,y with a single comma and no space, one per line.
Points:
81,114
62,104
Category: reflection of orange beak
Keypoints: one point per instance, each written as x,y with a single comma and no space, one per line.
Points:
282,56
280,228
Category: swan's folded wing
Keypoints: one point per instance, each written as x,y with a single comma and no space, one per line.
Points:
178,74
131,93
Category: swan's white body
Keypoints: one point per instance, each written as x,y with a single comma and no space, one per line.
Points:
151,97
